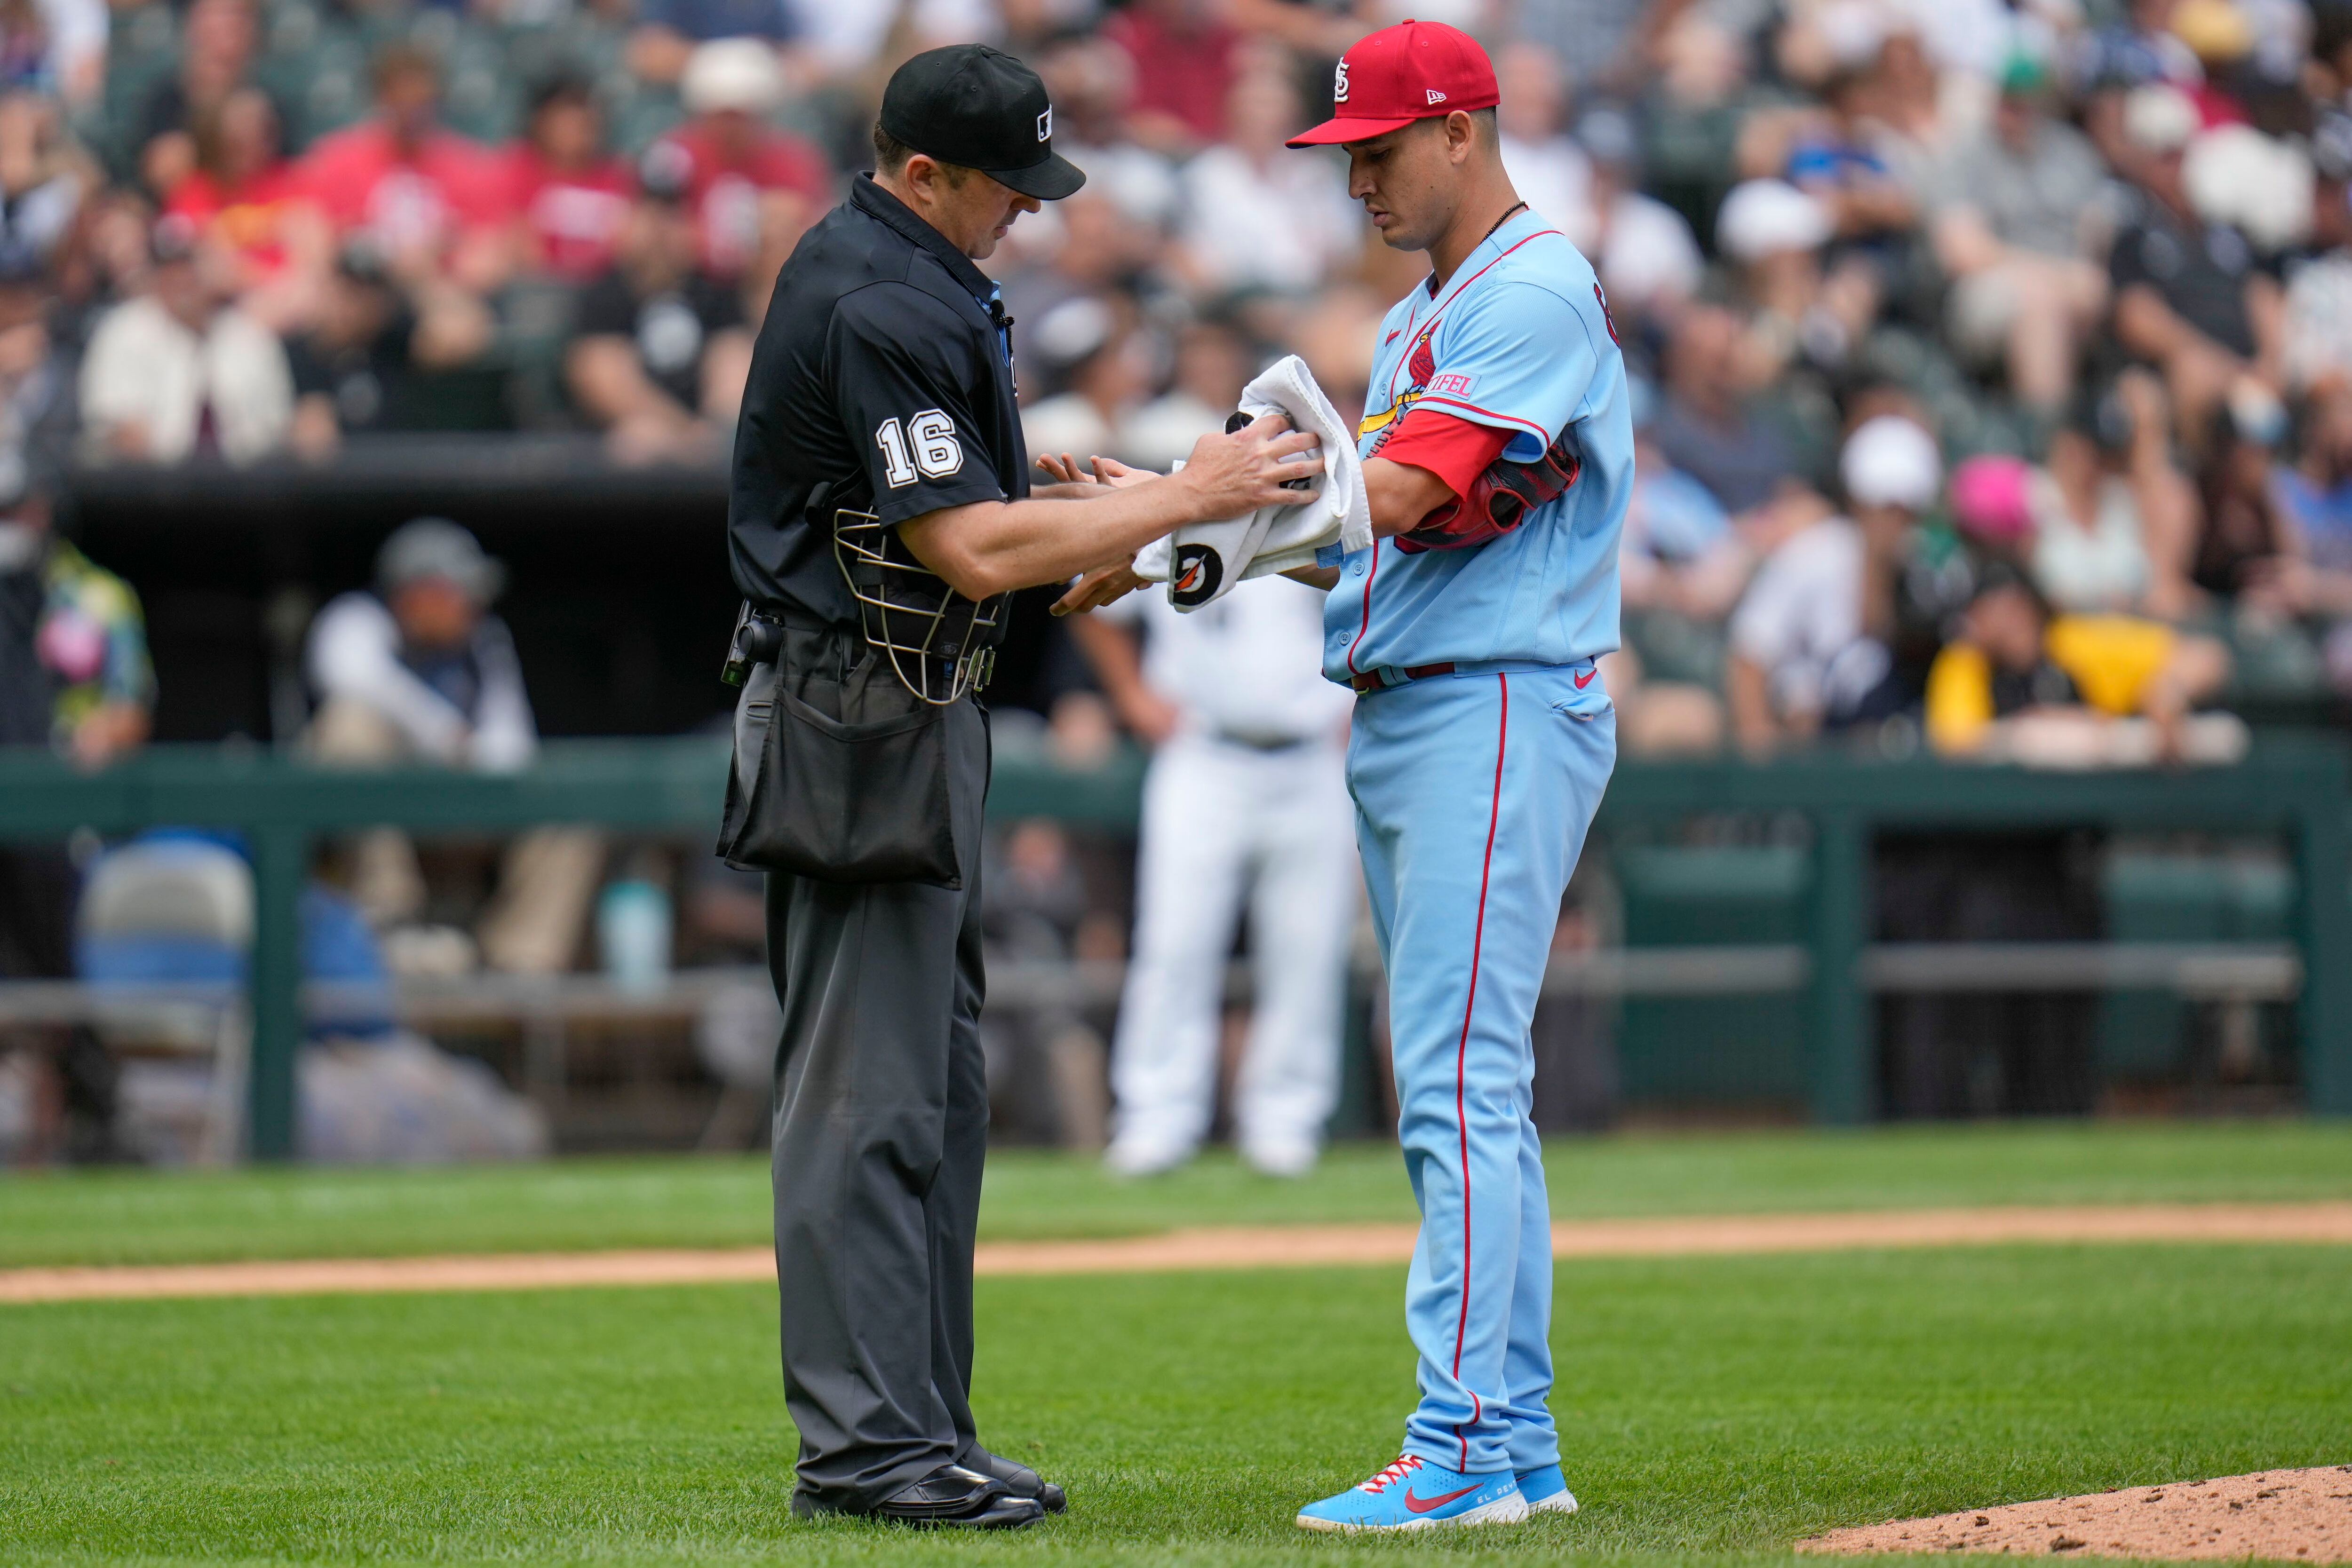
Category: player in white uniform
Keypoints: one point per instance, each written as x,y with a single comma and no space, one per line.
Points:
1246,801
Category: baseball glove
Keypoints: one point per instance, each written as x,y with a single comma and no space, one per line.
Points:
1499,500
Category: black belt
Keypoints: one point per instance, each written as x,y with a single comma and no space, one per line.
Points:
1268,744
1370,680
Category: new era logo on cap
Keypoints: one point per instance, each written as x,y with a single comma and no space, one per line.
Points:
1415,71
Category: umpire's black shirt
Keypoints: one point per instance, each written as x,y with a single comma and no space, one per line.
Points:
882,382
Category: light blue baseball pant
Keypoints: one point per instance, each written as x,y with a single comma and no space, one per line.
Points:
1473,794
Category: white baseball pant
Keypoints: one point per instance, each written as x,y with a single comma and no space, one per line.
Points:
1222,820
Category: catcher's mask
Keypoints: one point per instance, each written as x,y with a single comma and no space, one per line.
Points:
940,644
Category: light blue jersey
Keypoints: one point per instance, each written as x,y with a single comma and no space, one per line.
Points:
1473,783
1520,339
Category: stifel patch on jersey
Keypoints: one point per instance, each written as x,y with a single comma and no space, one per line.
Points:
1453,384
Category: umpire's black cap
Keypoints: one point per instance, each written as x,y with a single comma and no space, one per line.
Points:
979,107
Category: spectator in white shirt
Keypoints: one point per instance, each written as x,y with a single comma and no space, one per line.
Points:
1105,369
1547,167
424,657
1812,641
1587,184
1213,362
1093,84
420,670
1648,259
1259,217
850,36
180,372
73,62
1799,652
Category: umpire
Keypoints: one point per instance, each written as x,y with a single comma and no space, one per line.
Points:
880,512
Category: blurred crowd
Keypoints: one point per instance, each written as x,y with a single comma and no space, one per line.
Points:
1992,389
1993,360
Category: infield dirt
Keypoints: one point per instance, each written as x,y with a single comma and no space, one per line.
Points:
1224,1247
2291,1516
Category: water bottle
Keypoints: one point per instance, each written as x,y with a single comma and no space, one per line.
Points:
633,935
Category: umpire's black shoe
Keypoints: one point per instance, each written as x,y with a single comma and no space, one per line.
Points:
952,1495
1020,1479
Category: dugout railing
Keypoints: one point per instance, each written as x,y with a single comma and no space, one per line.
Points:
2297,789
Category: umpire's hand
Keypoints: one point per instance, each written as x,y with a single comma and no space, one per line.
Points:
1241,472
1225,476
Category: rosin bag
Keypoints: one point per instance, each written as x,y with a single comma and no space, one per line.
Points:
842,775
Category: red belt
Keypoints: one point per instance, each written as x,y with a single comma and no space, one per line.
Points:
1370,680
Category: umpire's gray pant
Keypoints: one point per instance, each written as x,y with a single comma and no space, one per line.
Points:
881,1125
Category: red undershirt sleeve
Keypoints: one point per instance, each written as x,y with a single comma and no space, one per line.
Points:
1456,450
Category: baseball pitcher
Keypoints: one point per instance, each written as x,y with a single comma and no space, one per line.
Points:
1498,455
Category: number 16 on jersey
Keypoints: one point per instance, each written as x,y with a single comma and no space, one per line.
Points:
934,453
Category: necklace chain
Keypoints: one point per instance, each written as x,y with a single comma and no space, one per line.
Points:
1508,213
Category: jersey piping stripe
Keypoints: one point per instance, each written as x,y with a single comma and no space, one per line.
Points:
1528,425
1462,1055
1451,294
1366,623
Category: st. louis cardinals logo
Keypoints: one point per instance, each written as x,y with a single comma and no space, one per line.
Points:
1419,365
1340,83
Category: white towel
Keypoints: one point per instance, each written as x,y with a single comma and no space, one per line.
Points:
1215,556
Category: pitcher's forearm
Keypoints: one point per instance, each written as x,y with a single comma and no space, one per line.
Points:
1399,495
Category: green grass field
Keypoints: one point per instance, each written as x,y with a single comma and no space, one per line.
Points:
1714,1409
131,1218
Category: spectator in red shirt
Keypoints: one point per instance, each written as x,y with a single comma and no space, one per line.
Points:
1184,68
246,199
752,189
430,198
570,196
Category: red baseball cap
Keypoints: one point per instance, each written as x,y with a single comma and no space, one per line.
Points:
1415,71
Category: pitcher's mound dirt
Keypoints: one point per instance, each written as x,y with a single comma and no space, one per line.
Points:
2295,1516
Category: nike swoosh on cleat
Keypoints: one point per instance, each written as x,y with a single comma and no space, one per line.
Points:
1423,1504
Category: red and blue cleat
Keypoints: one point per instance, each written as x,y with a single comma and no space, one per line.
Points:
1546,1490
1414,1494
